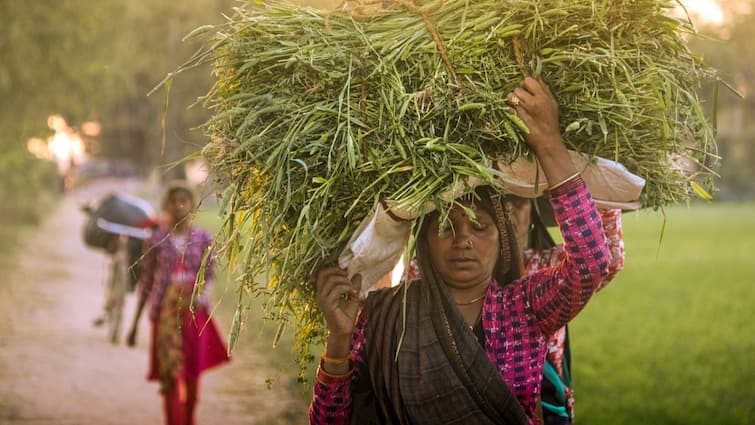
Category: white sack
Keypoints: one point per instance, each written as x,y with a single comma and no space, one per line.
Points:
378,243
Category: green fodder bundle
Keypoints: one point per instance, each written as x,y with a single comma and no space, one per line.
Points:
318,115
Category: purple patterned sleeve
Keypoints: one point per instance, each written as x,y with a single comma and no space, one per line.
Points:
332,395
615,236
558,293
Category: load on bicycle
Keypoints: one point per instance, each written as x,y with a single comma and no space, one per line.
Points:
117,224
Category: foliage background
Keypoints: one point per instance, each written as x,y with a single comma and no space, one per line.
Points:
95,61
98,61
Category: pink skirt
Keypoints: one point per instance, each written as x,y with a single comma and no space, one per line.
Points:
202,347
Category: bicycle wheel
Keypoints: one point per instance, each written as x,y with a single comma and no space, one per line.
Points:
117,289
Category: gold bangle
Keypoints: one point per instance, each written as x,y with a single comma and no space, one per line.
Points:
562,182
321,371
335,360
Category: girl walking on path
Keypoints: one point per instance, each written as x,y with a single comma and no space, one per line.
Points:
184,341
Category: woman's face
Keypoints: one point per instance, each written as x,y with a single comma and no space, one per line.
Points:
180,204
465,252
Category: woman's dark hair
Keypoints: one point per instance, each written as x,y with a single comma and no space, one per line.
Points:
541,217
174,187
509,266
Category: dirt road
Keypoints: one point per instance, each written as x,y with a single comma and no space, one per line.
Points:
56,368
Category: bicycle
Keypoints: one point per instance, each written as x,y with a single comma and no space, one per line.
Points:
116,287
122,243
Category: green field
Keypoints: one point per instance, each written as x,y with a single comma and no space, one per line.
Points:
670,341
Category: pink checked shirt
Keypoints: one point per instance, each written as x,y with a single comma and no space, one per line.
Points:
517,318
535,260
160,257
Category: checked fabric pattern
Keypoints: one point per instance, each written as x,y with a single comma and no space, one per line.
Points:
517,317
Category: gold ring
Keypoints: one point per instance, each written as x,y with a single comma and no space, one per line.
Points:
514,100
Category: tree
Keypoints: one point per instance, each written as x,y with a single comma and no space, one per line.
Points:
96,61
729,49
46,48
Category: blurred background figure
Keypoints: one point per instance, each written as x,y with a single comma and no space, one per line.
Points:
185,341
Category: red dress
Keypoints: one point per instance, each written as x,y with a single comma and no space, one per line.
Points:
185,341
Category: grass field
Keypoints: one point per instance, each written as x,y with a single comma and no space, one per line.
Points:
670,341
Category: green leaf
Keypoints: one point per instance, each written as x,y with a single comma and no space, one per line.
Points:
701,192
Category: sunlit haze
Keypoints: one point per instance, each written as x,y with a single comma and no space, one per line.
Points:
704,11
65,146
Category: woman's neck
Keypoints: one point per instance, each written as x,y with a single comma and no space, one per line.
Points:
463,295
180,228
469,301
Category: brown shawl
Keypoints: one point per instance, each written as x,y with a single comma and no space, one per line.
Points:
441,375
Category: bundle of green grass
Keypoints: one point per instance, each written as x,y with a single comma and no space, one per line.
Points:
319,115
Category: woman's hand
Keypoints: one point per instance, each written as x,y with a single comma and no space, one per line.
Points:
338,298
536,106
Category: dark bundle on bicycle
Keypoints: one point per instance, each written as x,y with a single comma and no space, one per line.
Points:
119,214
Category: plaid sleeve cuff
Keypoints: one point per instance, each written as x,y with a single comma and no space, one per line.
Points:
331,400
326,378
567,186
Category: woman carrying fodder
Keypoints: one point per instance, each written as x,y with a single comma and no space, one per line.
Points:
319,115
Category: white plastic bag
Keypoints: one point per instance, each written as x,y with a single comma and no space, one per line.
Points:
375,247
377,244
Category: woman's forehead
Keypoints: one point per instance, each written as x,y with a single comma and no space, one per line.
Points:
466,210
181,195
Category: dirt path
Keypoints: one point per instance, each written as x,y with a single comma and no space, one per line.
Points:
56,368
